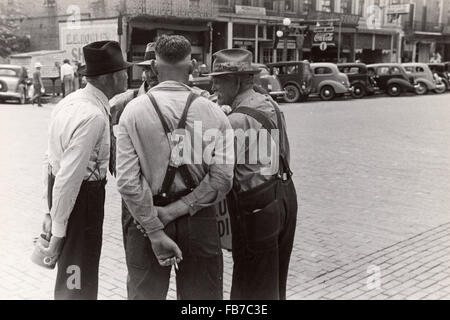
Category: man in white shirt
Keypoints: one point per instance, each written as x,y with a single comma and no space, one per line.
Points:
80,151
67,77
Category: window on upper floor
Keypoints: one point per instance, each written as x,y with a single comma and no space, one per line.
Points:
269,4
346,6
246,2
288,5
224,3
307,6
361,8
194,3
326,5
49,3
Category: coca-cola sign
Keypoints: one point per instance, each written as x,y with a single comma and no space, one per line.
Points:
324,37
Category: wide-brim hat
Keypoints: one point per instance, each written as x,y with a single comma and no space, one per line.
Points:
149,55
103,57
233,61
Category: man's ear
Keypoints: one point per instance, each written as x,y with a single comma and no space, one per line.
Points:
154,66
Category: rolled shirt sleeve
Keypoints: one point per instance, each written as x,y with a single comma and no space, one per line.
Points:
72,170
131,183
218,182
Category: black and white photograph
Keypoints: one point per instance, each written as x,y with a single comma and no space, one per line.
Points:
225,150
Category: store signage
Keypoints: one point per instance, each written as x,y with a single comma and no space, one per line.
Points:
398,9
250,11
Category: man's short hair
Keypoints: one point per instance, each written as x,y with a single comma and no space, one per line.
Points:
173,48
66,61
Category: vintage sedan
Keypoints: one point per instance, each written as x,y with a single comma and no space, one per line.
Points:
328,82
424,78
392,78
295,77
363,84
14,83
442,70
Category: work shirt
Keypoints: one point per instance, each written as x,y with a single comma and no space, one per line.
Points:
143,152
78,149
37,79
66,70
249,175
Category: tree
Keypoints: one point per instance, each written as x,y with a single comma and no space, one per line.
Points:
10,39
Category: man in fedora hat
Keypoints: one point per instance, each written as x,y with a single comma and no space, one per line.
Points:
170,197
263,202
80,151
38,85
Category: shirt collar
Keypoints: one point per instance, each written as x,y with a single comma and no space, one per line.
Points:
241,97
99,95
172,85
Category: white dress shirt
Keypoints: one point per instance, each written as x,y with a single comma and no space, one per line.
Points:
78,149
66,70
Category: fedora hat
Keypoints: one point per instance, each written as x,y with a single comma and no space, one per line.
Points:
149,55
103,57
233,61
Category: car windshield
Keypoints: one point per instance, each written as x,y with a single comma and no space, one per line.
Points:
9,72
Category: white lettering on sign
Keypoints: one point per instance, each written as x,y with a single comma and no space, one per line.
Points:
72,40
224,225
323,37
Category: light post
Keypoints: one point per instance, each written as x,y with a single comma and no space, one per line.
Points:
284,34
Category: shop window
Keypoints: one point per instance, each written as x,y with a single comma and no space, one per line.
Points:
245,2
270,32
269,4
267,55
261,32
244,31
224,3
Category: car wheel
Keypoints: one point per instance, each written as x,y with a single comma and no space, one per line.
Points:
442,89
394,90
359,91
292,93
327,93
421,88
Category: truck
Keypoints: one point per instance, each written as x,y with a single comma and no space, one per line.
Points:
50,61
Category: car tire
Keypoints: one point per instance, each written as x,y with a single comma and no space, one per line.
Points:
359,91
394,90
443,90
292,93
421,89
327,93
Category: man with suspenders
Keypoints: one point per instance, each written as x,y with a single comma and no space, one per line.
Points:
263,202
171,199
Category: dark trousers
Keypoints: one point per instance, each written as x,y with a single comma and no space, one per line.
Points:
37,94
200,273
77,277
262,240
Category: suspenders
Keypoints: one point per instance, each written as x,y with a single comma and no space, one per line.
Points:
165,196
284,172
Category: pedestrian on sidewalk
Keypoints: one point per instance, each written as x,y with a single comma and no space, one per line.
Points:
38,85
263,202
67,77
79,154
170,200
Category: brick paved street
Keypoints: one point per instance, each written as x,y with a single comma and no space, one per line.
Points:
373,178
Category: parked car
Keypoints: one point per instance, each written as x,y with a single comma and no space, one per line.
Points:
362,83
443,71
424,78
328,82
264,81
14,83
295,77
392,78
